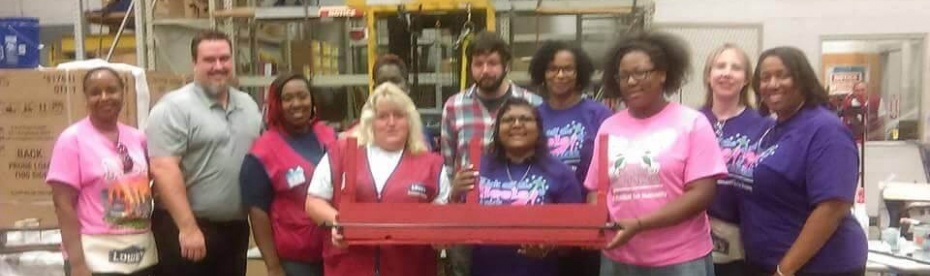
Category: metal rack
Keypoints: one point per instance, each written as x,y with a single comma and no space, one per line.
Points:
162,42
219,17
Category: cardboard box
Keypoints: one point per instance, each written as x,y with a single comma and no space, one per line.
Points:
35,107
160,84
301,55
128,57
316,47
181,9
170,9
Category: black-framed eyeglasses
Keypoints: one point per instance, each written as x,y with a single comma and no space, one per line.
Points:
637,76
567,70
124,157
513,120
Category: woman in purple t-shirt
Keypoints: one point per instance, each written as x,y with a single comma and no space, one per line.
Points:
796,220
726,77
518,171
570,122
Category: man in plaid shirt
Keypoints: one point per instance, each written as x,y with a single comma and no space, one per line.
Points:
472,112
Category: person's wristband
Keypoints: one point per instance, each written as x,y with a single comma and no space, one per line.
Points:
778,271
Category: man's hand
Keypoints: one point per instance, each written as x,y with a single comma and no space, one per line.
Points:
628,229
464,181
192,244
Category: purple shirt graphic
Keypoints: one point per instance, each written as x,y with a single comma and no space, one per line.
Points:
571,133
546,181
739,140
806,160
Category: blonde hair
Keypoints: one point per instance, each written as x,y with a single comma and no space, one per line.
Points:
391,93
709,64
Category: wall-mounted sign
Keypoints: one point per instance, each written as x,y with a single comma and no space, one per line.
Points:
842,78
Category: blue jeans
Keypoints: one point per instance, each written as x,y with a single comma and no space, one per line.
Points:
703,266
292,268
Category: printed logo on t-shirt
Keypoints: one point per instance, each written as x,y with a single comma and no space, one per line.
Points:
127,197
531,191
741,156
634,165
565,143
129,255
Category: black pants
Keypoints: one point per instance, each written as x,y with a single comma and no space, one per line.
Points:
145,272
579,262
734,268
226,242
755,270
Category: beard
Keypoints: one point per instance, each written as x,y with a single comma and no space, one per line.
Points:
490,86
215,90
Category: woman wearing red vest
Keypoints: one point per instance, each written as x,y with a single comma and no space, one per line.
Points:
394,167
275,176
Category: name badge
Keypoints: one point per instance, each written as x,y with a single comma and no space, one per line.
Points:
295,177
417,190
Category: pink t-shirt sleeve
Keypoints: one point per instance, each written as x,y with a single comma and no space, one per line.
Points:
704,156
64,165
590,180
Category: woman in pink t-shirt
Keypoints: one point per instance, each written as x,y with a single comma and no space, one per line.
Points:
100,185
662,163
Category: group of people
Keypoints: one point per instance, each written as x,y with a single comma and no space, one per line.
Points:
725,190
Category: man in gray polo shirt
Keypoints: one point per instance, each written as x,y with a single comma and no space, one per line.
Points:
197,137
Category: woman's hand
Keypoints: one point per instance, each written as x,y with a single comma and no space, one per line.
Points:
628,229
338,240
535,251
464,181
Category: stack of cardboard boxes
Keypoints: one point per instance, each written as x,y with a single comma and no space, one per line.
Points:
315,57
326,58
35,107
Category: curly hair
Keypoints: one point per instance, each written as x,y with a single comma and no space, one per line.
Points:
584,68
274,113
669,54
801,73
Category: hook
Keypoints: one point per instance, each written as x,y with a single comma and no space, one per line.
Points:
468,9
468,25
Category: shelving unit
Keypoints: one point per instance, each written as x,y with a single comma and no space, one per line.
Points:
589,23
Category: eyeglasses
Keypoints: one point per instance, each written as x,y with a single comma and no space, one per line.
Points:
637,76
124,157
567,70
514,119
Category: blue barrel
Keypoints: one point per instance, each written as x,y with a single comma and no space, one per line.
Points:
19,42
